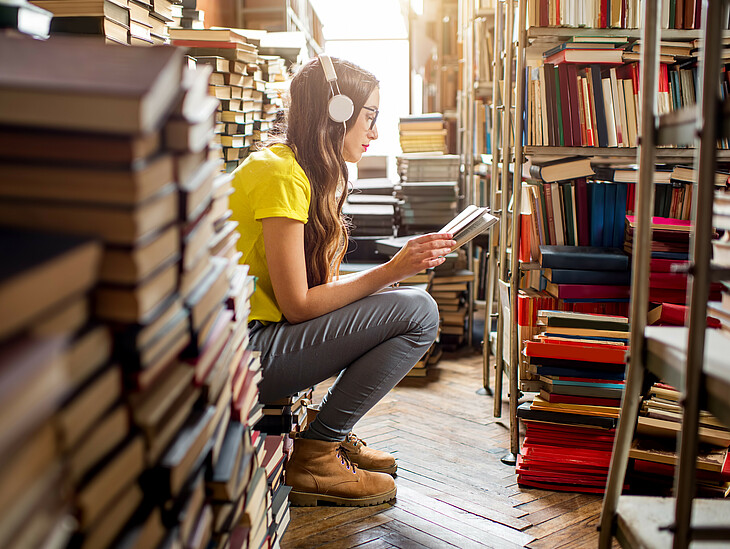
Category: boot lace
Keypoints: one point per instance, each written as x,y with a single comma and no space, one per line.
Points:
345,459
356,441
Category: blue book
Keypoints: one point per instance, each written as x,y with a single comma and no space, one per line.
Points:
596,193
619,219
609,207
597,89
556,381
584,276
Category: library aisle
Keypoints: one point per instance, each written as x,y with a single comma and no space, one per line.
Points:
453,490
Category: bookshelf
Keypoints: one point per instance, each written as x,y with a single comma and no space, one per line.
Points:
693,357
529,43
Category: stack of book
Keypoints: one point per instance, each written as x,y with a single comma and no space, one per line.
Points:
186,15
278,516
451,293
58,388
286,415
174,301
428,167
374,214
423,133
654,447
235,82
135,22
425,206
587,274
579,360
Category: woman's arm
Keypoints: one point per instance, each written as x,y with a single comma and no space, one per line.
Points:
284,244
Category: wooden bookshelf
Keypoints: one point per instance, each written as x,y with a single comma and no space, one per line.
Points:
692,358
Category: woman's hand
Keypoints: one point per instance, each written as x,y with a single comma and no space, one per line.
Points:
421,252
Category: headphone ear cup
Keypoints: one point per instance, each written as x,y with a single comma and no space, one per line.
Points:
340,108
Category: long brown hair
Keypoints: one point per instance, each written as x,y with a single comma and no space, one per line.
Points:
317,144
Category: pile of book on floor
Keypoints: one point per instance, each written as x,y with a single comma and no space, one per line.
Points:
654,448
186,15
450,290
579,360
135,22
423,133
151,369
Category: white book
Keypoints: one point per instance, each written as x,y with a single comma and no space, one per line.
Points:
610,115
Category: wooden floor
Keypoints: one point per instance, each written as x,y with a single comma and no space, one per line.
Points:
453,490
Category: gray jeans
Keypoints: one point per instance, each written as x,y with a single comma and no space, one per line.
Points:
371,343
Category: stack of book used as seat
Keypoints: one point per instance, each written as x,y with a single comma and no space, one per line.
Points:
653,449
579,360
149,401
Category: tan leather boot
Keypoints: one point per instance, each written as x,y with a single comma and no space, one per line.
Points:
358,451
368,458
320,471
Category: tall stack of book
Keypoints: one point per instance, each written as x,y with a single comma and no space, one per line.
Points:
233,58
579,360
178,328
654,447
57,383
424,133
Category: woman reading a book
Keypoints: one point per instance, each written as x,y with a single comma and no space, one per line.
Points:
308,322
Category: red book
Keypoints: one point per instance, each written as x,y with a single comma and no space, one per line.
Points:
574,99
588,291
587,56
566,108
613,354
574,399
549,212
670,281
657,265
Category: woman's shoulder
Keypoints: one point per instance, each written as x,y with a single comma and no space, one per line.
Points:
275,159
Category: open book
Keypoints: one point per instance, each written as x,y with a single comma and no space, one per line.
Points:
472,221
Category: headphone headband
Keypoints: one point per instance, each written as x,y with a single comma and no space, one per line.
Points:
340,107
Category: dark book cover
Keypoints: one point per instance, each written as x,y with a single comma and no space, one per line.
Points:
565,107
609,367
584,257
609,209
582,211
619,215
584,276
553,135
525,413
558,108
574,102
597,90
565,188
576,372
597,195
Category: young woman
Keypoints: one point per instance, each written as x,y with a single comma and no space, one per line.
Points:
310,323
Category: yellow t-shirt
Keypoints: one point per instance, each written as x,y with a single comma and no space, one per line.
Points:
269,183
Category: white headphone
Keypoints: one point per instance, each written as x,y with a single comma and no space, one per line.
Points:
339,107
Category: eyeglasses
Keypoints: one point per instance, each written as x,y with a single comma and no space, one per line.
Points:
372,122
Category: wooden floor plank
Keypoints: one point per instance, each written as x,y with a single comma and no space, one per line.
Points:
453,490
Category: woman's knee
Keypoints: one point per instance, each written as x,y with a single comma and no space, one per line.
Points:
422,309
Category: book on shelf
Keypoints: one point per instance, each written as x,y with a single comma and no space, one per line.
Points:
559,169
584,257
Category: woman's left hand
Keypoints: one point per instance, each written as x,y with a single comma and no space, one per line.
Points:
421,252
